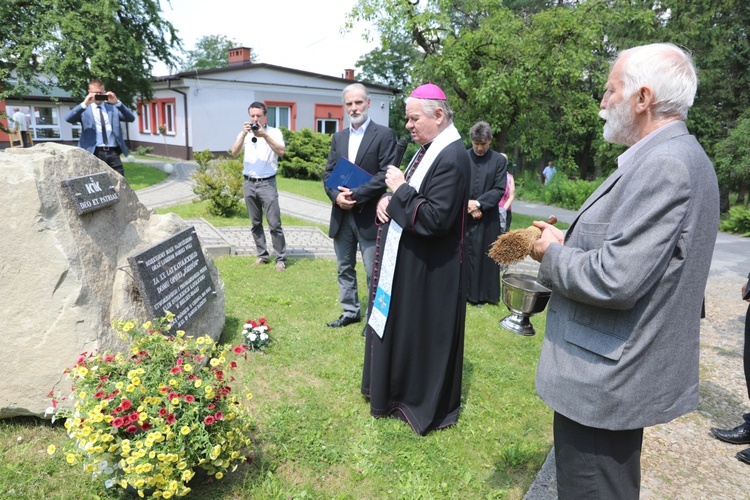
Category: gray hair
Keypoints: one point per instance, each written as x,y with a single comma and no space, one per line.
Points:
351,87
430,105
667,70
480,132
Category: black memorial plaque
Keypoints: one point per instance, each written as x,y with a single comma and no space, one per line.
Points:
90,192
173,276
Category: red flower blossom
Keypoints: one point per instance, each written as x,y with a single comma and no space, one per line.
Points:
163,412
134,416
238,349
132,429
112,394
175,370
109,358
163,388
99,395
126,404
209,420
219,415
190,398
171,418
118,422
179,361
211,406
117,409
232,364
146,426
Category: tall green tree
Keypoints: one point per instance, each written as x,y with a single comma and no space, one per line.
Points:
211,51
65,43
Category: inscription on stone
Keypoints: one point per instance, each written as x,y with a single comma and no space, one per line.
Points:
173,276
90,192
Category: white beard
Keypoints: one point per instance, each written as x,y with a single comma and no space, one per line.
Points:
618,127
358,120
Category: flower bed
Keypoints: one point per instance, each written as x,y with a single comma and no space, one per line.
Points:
147,419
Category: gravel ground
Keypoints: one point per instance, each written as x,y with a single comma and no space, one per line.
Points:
682,459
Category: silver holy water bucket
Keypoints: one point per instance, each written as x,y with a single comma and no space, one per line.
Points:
524,297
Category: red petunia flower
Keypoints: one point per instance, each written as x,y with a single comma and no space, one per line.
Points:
175,370
219,415
99,395
118,422
126,404
163,412
131,429
171,418
190,398
209,420
146,426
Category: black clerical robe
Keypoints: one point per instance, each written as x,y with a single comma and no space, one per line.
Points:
414,371
487,185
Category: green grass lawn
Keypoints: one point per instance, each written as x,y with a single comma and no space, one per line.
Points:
140,176
313,435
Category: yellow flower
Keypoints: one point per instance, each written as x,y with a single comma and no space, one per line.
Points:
81,371
119,385
136,380
70,458
198,382
130,388
166,494
51,449
175,401
215,362
128,326
200,340
219,475
185,430
173,382
146,325
188,368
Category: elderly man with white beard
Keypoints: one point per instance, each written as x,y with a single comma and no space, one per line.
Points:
372,147
622,337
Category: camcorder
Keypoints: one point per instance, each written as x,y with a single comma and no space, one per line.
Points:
101,97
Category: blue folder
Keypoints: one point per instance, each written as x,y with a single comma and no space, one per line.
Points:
347,174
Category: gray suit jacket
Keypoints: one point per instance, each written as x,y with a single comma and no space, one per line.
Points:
622,337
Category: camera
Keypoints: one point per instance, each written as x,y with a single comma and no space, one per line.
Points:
254,126
101,97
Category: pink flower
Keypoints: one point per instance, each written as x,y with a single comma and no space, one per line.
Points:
162,412
219,415
126,404
118,422
175,370
146,426
99,395
209,420
190,398
171,418
134,416
132,429
238,349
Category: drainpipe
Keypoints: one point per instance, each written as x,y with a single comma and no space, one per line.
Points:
185,107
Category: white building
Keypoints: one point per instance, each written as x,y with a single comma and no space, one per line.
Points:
206,109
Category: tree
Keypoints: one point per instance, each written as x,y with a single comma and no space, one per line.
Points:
65,43
389,65
211,51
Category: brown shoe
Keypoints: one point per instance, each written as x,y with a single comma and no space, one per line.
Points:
280,266
259,262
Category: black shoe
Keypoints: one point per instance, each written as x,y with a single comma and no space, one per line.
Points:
738,435
744,456
344,321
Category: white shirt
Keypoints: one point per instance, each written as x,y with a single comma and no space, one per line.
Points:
20,118
100,141
260,160
355,139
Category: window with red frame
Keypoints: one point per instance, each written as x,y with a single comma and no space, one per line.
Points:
156,114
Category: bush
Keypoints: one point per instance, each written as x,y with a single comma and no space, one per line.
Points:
737,221
219,182
306,154
144,150
561,191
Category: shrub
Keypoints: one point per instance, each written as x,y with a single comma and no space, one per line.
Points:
144,150
737,221
568,193
306,154
219,182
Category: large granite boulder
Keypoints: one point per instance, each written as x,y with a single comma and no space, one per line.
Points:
64,277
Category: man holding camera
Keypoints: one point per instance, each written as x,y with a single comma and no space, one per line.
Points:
100,115
263,147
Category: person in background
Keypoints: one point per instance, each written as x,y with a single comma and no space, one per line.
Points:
622,339
415,330
263,146
22,125
371,147
100,115
741,433
504,207
486,188
549,172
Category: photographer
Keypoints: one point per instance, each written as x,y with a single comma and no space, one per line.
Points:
100,115
263,146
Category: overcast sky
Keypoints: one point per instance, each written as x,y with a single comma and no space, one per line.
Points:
299,34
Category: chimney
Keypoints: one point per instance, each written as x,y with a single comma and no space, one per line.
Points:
239,55
348,74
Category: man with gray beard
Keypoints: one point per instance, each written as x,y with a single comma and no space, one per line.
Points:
622,338
372,147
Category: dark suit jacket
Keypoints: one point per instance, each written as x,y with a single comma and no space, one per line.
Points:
85,116
376,152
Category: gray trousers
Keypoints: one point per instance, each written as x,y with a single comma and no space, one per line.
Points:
345,244
263,197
